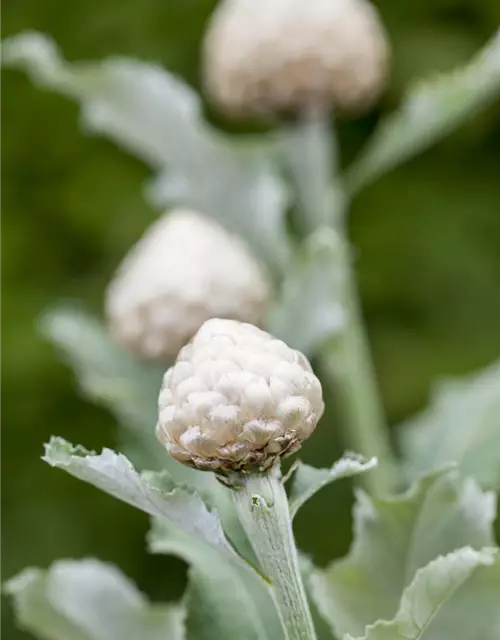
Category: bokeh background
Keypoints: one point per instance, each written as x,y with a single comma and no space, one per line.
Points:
428,238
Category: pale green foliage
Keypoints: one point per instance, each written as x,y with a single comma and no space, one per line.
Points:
90,600
224,600
310,309
307,480
462,425
307,568
421,566
111,377
114,474
221,581
108,375
184,526
220,608
159,118
455,596
393,538
182,522
431,109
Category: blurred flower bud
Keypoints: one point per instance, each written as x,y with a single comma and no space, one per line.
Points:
237,399
185,270
263,56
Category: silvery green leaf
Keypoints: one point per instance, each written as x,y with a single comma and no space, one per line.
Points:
393,538
432,109
310,309
109,376
90,600
237,186
307,480
216,495
307,569
158,117
220,608
455,596
224,600
114,474
462,424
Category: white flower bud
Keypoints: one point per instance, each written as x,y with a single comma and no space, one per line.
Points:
294,55
237,398
185,270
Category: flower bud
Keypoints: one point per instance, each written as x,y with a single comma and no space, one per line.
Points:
237,399
185,270
263,56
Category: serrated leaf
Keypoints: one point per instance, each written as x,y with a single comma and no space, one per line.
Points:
195,533
462,424
432,109
224,601
307,480
159,118
109,376
393,538
89,600
455,596
114,474
311,306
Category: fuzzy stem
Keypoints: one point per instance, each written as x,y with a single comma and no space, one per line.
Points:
262,507
347,359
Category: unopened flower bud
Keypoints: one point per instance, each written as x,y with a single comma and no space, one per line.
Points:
265,56
185,270
237,399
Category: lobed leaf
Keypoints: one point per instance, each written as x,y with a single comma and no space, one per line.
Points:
307,480
462,424
90,600
455,596
432,109
393,538
158,117
310,309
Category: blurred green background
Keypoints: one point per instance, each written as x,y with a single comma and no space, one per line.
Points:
428,236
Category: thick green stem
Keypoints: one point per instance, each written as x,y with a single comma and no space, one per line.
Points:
262,507
347,359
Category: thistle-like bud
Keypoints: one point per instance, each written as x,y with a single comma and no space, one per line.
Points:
185,270
264,56
237,399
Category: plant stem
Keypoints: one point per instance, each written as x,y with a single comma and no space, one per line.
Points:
311,157
262,507
346,359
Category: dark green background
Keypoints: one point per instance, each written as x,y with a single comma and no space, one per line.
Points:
429,264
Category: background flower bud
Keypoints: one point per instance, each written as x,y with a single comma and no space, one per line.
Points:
185,270
294,55
237,398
